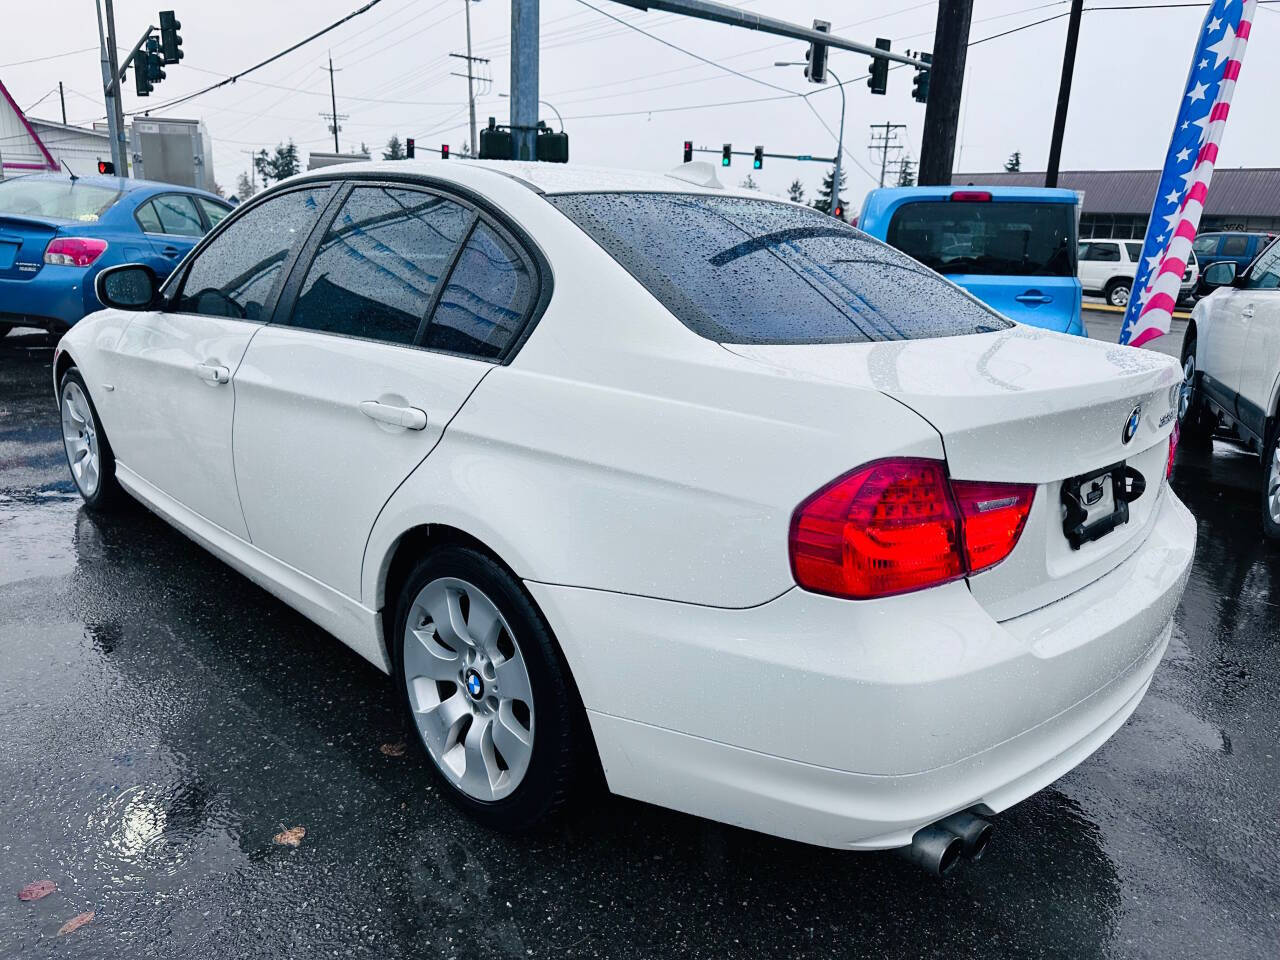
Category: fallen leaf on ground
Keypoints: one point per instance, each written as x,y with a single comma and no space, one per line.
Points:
34,891
393,749
291,837
75,923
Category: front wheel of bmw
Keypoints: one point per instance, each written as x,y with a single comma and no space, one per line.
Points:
487,690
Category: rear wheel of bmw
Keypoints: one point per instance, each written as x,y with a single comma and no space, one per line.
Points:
1271,484
89,455
487,691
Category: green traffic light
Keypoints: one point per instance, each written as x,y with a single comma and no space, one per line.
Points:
724,161
757,164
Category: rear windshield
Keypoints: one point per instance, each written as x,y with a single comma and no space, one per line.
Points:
739,270
60,199
997,237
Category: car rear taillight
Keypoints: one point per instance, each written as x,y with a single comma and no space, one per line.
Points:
1173,450
898,525
74,251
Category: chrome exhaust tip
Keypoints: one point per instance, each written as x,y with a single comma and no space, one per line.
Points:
973,831
934,849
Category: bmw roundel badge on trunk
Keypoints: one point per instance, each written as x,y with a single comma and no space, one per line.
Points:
1131,425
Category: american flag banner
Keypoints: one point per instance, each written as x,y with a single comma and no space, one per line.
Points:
1188,168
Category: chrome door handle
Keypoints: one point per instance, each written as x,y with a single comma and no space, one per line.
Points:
410,417
212,373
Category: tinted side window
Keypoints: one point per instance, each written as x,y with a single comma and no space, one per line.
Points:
214,211
1004,238
1108,252
1234,246
1135,251
237,272
1265,274
488,296
379,263
147,219
178,215
1206,245
739,270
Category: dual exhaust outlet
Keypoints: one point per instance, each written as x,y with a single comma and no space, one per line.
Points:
939,847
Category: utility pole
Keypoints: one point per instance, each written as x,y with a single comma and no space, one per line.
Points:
941,116
111,88
471,78
62,100
333,103
524,79
835,171
1064,94
886,141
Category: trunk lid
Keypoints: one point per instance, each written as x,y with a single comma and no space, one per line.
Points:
22,244
1025,406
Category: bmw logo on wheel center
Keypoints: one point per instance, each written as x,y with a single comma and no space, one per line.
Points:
1131,425
475,686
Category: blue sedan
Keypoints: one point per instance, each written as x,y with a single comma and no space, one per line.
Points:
57,233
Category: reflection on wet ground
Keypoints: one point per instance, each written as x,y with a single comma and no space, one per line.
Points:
161,720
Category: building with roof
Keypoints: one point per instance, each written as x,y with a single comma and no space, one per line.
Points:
1117,203
30,145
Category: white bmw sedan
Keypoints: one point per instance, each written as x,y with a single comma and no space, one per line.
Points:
615,473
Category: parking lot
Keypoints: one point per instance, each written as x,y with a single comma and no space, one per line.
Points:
162,720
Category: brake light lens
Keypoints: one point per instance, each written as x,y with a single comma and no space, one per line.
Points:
1173,449
993,515
899,525
971,196
74,251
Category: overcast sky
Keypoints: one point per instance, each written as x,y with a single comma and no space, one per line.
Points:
621,92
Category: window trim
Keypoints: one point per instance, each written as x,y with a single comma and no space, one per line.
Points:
204,221
534,259
172,290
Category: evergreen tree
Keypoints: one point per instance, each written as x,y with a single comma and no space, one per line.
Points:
907,173
395,150
283,163
749,183
823,200
245,187
1014,163
795,192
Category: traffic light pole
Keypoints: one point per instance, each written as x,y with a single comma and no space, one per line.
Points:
524,79
1064,94
111,87
774,156
835,175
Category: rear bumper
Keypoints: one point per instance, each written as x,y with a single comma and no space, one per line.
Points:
54,299
851,725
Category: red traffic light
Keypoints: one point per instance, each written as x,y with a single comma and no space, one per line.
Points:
106,167
688,151
408,147
444,151
838,213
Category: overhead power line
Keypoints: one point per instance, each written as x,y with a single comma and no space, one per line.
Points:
52,56
258,66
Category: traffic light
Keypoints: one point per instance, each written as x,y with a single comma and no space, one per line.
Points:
816,67
920,86
154,62
726,155
879,79
688,151
838,213
106,168
758,160
408,147
170,40
444,151
142,75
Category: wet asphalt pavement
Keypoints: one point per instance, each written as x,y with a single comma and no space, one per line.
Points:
162,719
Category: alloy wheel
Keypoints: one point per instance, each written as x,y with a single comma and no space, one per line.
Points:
1188,386
1119,297
468,688
80,437
1273,484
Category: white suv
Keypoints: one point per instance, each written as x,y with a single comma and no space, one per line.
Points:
1231,367
1107,269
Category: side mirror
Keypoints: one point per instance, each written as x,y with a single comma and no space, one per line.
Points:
130,286
1220,274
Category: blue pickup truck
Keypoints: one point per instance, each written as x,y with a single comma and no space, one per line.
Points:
1012,247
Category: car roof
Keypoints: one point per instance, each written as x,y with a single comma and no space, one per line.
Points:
547,178
1047,194
125,184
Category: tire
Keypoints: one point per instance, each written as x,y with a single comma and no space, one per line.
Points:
89,456
1195,422
1271,484
4,329
510,750
1117,293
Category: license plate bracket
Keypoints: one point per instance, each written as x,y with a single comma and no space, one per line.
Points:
1086,499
